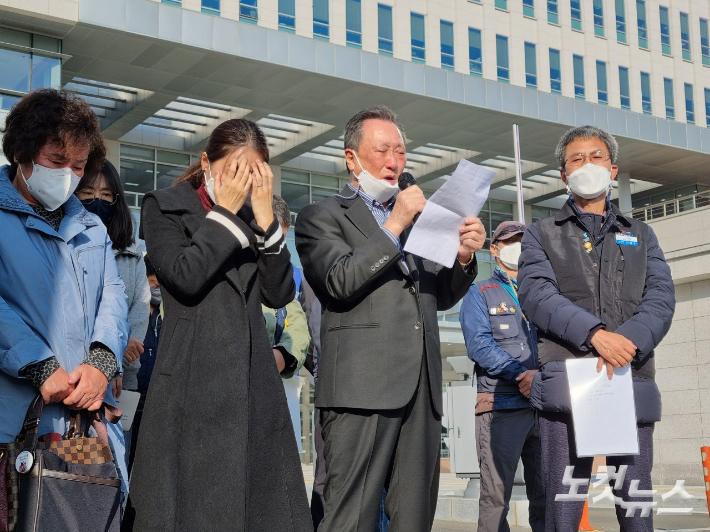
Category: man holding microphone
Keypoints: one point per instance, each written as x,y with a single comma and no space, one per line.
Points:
379,382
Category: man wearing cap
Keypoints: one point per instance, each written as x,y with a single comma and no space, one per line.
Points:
503,344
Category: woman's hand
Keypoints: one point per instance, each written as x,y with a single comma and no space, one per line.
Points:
232,185
262,194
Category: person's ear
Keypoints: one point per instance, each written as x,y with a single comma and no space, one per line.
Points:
563,175
614,171
204,162
494,250
350,161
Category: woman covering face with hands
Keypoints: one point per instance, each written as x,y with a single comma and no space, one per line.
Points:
216,410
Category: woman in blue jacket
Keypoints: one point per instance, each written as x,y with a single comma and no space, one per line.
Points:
63,309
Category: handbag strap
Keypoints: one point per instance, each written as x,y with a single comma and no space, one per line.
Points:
31,425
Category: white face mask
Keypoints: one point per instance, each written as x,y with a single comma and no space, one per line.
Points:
209,183
510,254
51,186
379,189
590,181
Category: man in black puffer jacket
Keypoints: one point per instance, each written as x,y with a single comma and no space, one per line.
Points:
596,284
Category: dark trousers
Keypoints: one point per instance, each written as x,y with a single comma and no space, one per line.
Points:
317,499
503,438
559,451
367,451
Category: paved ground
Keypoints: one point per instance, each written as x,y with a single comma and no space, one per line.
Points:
603,520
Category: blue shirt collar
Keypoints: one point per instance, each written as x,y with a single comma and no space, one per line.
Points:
502,277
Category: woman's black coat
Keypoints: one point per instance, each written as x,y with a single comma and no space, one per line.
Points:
216,451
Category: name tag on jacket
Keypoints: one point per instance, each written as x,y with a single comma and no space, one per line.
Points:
626,239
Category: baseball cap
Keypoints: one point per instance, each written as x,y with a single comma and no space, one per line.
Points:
506,230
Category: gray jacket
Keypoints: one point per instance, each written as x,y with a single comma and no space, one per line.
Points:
378,319
131,268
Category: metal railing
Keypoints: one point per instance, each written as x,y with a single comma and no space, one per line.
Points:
674,206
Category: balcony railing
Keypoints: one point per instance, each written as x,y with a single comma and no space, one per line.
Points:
674,206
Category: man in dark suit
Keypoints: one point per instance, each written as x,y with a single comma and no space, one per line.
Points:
379,377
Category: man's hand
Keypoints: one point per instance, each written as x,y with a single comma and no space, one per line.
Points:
134,349
117,386
56,388
90,390
525,381
472,237
410,202
616,350
280,362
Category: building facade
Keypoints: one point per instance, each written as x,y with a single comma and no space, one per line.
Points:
161,75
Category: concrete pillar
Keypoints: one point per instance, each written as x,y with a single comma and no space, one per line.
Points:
113,152
624,180
276,170
527,211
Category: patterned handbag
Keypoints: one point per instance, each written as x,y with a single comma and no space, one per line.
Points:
74,448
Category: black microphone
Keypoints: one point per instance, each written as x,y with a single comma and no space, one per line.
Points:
406,180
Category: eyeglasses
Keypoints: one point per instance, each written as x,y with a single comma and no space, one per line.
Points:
88,197
596,157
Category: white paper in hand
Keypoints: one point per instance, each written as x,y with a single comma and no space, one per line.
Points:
603,409
435,235
128,403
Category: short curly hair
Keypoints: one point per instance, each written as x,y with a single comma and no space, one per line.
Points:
51,115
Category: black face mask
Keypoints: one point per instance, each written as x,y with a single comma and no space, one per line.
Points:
101,208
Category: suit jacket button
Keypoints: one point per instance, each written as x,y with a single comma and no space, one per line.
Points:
417,326
387,257
412,290
372,268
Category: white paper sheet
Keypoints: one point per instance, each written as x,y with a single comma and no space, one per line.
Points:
603,409
128,403
435,235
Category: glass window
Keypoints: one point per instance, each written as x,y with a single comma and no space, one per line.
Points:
325,181
211,7
177,3
578,70
294,176
384,29
353,23
552,12
50,44
502,58
502,4
137,152
530,66
297,196
15,70
602,89
707,107
447,44
475,52
7,101
418,38
321,19
689,104
46,72
248,11
641,22
287,15
599,18
555,72
620,21
137,176
624,90
685,36
20,38
166,175
529,8
665,30
576,9
646,93
668,93
704,41
173,157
